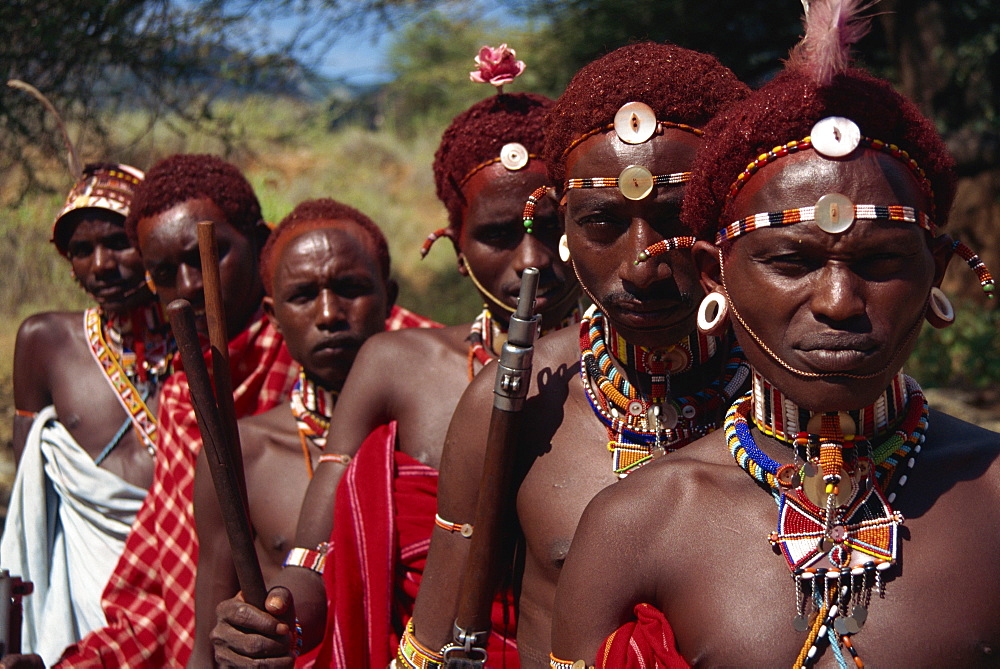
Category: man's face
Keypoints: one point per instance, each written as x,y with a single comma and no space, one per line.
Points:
654,303
497,248
168,242
328,297
105,263
830,304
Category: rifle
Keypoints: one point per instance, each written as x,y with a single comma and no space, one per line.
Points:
12,590
491,532
216,414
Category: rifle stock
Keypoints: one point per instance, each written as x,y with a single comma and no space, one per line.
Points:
492,537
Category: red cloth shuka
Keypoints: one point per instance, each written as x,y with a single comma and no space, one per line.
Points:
383,519
149,599
646,643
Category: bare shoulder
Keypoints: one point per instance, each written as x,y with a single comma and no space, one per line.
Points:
49,328
413,343
261,432
955,445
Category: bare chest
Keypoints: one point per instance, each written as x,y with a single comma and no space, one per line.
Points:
732,600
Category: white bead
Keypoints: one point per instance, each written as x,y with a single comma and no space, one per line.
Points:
892,497
882,566
902,480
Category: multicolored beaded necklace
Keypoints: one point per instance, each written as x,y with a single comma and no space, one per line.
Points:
486,332
835,526
135,352
312,406
641,428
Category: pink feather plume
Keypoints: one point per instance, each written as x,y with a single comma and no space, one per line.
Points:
831,27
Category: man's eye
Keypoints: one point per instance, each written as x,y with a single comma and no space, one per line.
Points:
80,250
117,243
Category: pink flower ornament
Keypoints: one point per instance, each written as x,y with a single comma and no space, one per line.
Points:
497,66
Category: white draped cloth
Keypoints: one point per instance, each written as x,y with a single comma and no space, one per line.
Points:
66,527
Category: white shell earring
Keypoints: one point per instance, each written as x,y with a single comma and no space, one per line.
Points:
712,313
564,248
940,312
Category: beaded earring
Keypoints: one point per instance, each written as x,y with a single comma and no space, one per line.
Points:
713,314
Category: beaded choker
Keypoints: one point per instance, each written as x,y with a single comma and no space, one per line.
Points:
135,352
835,529
640,426
312,406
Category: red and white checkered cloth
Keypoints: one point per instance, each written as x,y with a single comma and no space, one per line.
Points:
149,600
401,319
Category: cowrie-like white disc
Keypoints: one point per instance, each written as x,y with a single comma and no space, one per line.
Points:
635,182
513,156
635,122
835,136
834,213
564,249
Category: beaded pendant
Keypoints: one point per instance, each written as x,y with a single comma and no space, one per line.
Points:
836,529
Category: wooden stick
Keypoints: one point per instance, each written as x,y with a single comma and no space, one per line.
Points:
223,468
215,313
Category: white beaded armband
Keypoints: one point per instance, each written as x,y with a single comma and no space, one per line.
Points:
310,559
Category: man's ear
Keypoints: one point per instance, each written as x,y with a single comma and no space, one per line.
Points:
942,250
462,269
707,257
391,293
267,303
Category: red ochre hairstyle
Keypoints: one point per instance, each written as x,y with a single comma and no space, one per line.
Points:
681,86
477,135
184,177
817,83
318,214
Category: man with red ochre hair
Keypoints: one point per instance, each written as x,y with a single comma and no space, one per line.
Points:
149,599
835,521
485,167
619,146
326,272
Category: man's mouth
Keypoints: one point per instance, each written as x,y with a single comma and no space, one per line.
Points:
837,352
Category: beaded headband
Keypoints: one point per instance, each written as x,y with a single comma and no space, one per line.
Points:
612,126
807,143
514,156
635,182
833,213
836,137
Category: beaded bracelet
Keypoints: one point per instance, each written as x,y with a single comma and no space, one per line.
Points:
556,663
295,646
413,655
309,559
465,529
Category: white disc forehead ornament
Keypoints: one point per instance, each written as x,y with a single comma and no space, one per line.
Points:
635,182
513,156
635,122
835,136
834,213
